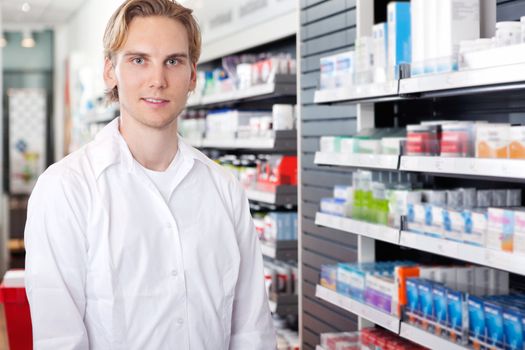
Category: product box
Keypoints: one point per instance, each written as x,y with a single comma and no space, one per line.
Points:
426,302
519,232
416,217
439,293
458,20
334,206
492,140
329,276
500,233
517,142
418,32
513,328
380,51
464,278
475,227
430,35
457,315
481,281
344,192
399,51
333,144
380,292
494,323
413,305
328,72
453,224
402,274
364,59
476,321
344,69
447,276
392,145
351,281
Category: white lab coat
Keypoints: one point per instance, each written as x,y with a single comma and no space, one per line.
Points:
111,265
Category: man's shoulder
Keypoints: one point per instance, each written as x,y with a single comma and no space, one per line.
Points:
72,170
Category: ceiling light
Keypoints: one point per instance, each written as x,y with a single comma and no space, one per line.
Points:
27,39
26,7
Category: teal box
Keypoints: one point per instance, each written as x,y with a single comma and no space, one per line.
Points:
399,31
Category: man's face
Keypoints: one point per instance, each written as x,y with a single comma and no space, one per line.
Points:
152,71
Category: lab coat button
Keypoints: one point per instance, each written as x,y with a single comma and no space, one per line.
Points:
180,321
174,273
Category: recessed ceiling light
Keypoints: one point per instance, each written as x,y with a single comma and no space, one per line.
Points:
26,7
28,41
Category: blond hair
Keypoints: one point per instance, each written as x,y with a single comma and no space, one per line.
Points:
117,28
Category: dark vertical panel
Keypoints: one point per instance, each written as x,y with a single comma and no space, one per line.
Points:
327,27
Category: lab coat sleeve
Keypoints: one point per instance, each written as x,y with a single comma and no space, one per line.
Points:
56,260
252,326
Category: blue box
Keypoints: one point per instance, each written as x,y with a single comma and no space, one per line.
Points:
413,295
439,294
457,314
494,321
513,328
476,317
399,41
426,302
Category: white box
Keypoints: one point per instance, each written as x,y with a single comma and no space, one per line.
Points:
418,37
363,57
344,69
430,10
464,279
497,56
380,53
519,232
328,72
457,20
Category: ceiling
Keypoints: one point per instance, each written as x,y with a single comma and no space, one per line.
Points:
43,13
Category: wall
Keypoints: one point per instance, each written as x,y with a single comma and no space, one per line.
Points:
81,35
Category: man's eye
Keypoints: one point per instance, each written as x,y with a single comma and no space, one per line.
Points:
173,61
138,60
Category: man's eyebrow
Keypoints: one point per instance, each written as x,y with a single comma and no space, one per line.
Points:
143,54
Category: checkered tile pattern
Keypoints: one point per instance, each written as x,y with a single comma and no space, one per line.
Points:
27,134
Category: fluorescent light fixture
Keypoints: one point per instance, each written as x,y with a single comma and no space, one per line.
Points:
27,39
26,7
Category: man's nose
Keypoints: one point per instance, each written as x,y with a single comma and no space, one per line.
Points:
158,77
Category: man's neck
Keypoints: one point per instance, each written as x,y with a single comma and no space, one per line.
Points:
153,148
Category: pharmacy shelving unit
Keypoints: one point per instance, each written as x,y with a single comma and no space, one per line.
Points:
279,141
281,89
328,27
285,250
282,86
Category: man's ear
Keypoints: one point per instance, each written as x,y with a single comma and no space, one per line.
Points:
109,74
193,79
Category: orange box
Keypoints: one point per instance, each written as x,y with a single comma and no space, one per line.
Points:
517,142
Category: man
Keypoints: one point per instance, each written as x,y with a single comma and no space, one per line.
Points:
138,241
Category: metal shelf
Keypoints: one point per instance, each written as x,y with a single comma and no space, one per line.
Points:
378,232
281,250
368,93
478,255
427,339
367,312
280,141
369,161
283,304
489,167
283,85
281,195
506,77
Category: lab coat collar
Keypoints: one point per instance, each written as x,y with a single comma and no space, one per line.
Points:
109,148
